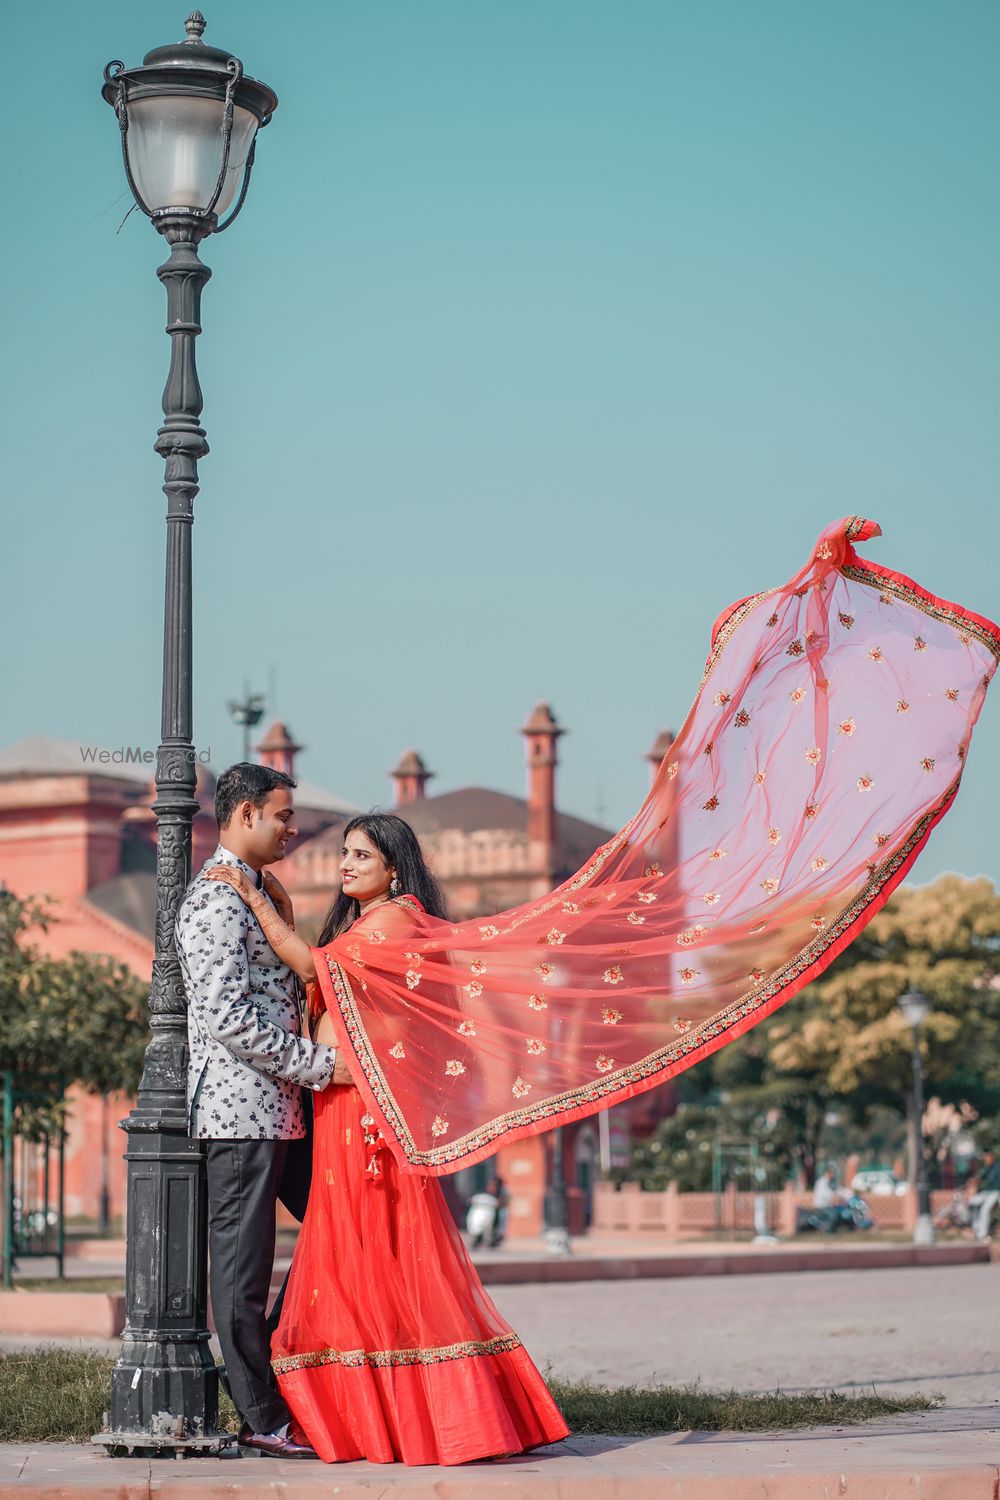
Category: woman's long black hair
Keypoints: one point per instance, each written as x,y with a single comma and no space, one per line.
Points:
399,847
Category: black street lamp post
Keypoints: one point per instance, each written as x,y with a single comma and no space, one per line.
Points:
189,119
916,1008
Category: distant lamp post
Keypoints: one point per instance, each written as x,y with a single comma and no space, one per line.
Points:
189,119
555,1206
557,1240
916,1008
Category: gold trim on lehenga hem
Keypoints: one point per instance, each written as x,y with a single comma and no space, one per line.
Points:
352,1359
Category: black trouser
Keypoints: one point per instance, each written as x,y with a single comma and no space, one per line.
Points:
245,1181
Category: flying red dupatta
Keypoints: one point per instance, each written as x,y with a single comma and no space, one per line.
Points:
828,736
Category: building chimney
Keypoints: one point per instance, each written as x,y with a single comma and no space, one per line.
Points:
410,778
662,744
278,750
541,732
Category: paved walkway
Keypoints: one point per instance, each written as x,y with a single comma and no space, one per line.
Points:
952,1455
935,1330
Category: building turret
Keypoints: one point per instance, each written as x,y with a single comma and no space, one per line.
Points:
278,750
410,779
541,733
661,745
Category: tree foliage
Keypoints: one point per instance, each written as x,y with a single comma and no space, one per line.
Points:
82,1018
942,939
844,1046
685,1147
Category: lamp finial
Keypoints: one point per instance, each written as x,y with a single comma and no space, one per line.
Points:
195,26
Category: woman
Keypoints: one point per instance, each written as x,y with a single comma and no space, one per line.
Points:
388,1347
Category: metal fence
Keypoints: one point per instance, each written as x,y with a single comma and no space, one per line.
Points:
34,1154
679,1216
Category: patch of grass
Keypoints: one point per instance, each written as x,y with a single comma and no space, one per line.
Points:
634,1409
229,1417
114,1284
52,1395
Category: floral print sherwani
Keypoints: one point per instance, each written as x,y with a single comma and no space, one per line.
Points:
246,1058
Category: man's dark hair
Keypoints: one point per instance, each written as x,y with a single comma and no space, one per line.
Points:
245,782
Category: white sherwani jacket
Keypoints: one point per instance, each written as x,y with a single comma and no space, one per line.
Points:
246,1058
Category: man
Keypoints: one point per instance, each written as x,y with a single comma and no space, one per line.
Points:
825,1193
247,1065
987,1195
826,1201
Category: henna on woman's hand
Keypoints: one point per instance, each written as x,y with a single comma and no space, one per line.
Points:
279,933
341,1072
230,875
274,928
279,896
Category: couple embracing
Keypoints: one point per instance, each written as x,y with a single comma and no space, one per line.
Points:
383,1344
828,738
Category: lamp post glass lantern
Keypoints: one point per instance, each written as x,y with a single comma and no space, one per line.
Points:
188,119
916,1008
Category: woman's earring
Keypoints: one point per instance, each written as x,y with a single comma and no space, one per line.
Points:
394,887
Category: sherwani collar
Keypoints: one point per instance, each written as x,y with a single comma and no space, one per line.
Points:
224,856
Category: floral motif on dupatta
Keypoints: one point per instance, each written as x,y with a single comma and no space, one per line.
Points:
828,737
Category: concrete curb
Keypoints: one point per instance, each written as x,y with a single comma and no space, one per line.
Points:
934,1456
95,1249
62,1314
965,1483
727,1263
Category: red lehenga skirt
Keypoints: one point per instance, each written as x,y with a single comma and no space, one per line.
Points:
388,1348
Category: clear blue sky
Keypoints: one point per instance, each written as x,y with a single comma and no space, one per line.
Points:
549,328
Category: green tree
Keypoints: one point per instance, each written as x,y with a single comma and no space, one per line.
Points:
744,1077
846,1028
682,1149
843,1045
82,1018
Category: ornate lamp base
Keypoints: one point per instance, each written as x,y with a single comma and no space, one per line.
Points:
133,1445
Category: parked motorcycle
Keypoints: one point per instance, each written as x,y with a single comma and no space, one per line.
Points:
955,1214
960,1213
483,1221
847,1215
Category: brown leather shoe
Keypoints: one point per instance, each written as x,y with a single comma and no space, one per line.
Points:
270,1445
